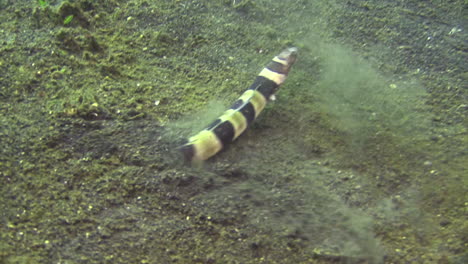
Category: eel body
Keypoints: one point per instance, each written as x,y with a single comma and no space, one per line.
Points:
234,121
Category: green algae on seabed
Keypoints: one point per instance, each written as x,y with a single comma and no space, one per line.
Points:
86,174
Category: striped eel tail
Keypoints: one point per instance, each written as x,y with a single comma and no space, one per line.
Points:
234,121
